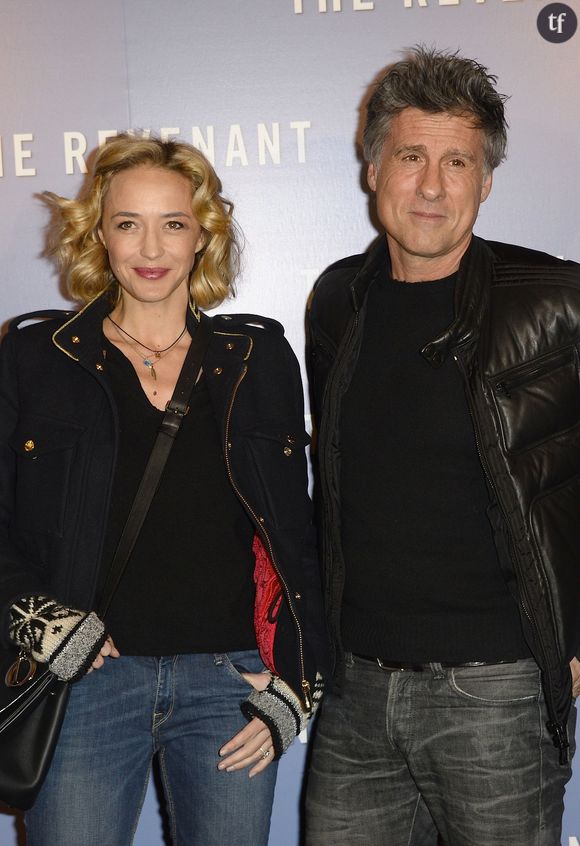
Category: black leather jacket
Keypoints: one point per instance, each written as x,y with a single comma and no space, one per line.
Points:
516,340
58,446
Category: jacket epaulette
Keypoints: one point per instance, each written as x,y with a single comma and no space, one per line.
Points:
349,261
516,256
231,322
44,314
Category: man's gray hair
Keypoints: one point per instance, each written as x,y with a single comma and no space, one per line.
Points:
438,81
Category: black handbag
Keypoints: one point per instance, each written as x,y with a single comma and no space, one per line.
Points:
32,699
32,707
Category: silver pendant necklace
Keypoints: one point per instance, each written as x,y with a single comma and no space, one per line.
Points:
149,361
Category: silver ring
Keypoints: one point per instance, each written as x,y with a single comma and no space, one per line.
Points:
265,752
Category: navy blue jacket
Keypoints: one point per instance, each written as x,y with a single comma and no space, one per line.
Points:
58,450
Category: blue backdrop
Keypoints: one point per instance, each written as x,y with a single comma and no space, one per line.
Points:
272,91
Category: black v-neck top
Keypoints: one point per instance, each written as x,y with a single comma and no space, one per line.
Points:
188,586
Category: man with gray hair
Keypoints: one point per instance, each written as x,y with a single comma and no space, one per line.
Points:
445,378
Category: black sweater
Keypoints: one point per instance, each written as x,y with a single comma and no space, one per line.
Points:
423,581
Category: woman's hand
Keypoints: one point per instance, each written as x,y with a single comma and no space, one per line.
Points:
69,640
259,681
108,650
253,744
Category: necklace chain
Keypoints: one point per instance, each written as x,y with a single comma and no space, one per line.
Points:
147,361
141,344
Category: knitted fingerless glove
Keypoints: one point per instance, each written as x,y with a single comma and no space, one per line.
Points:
281,710
65,639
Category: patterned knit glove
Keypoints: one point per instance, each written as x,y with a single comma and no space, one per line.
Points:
65,639
281,710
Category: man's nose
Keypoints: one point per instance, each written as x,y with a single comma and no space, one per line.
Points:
430,185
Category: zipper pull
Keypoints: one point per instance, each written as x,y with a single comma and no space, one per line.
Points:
560,740
502,388
306,696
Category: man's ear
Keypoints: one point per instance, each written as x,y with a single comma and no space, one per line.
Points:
486,187
372,177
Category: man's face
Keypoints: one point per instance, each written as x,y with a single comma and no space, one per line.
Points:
429,184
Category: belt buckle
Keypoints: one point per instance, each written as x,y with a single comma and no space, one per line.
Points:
390,668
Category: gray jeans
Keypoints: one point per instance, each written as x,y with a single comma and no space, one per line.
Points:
401,757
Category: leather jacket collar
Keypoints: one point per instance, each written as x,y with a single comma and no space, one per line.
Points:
471,295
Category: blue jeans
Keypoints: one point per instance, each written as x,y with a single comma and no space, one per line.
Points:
183,707
403,756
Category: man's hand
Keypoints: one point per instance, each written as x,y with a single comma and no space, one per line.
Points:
575,670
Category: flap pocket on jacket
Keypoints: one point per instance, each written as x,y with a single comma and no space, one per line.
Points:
45,449
286,439
270,462
538,400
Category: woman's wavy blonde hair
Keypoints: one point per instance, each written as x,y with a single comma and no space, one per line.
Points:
75,242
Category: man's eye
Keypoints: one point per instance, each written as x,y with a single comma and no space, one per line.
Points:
457,162
411,157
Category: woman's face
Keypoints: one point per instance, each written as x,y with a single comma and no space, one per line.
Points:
150,233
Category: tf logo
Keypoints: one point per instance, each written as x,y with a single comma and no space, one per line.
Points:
557,23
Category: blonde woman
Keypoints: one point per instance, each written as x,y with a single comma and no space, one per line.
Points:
210,651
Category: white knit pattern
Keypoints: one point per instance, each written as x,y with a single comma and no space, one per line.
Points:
41,624
65,639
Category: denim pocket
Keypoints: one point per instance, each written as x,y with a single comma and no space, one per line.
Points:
236,663
498,684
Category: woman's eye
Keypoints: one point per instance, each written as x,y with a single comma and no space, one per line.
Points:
126,224
174,224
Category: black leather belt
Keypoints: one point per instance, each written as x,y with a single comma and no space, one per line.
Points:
404,667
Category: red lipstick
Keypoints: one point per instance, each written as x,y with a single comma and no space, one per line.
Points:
151,272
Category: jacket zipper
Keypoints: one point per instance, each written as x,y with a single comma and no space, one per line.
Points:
556,729
530,372
332,387
304,683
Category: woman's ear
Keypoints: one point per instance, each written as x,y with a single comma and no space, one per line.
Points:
201,242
